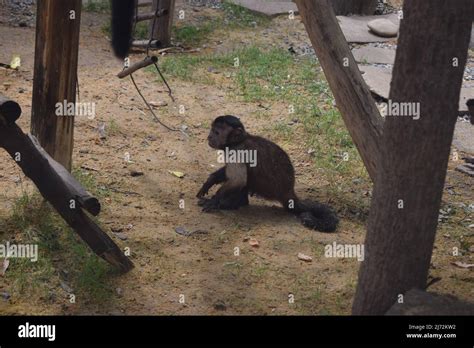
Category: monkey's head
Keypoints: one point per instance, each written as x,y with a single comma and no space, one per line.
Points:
226,131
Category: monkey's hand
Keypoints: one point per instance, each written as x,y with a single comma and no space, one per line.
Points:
209,204
204,190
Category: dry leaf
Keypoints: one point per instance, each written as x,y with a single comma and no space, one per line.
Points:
253,242
15,63
177,174
304,257
463,264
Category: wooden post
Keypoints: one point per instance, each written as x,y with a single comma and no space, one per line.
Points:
414,152
164,23
352,95
55,75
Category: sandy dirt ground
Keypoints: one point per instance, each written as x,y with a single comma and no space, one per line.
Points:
146,208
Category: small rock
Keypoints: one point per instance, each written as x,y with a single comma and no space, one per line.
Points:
121,235
383,27
220,306
182,231
151,138
66,287
304,257
101,129
253,242
119,292
135,173
5,295
158,104
463,264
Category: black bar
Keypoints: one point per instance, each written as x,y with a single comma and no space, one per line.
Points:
103,330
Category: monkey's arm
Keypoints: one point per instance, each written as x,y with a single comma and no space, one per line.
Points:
215,178
233,193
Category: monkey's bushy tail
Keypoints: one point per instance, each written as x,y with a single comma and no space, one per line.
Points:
316,216
122,21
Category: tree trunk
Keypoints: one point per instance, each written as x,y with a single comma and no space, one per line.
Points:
352,95
431,55
360,7
55,75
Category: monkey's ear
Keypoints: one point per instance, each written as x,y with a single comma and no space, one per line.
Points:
236,136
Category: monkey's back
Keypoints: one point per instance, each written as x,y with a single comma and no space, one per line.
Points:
273,177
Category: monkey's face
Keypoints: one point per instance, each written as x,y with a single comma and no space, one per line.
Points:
218,136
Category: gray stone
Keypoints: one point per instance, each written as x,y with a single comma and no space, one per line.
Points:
377,79
463,139
383,27
268,8
370,54
355,28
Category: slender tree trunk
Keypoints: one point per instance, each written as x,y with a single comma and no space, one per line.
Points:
361,7
429,65
55,75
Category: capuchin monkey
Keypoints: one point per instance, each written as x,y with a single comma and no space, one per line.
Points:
272,177
123,12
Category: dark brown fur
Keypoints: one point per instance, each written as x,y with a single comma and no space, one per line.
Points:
272,178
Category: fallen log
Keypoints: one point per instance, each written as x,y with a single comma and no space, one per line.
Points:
139,65
144,43
63,192
9,109
77,192
143,3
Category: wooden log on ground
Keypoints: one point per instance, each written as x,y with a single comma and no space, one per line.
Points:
151,15
144,43
55,75
144,3
139,65
9,109
60,193
352,95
